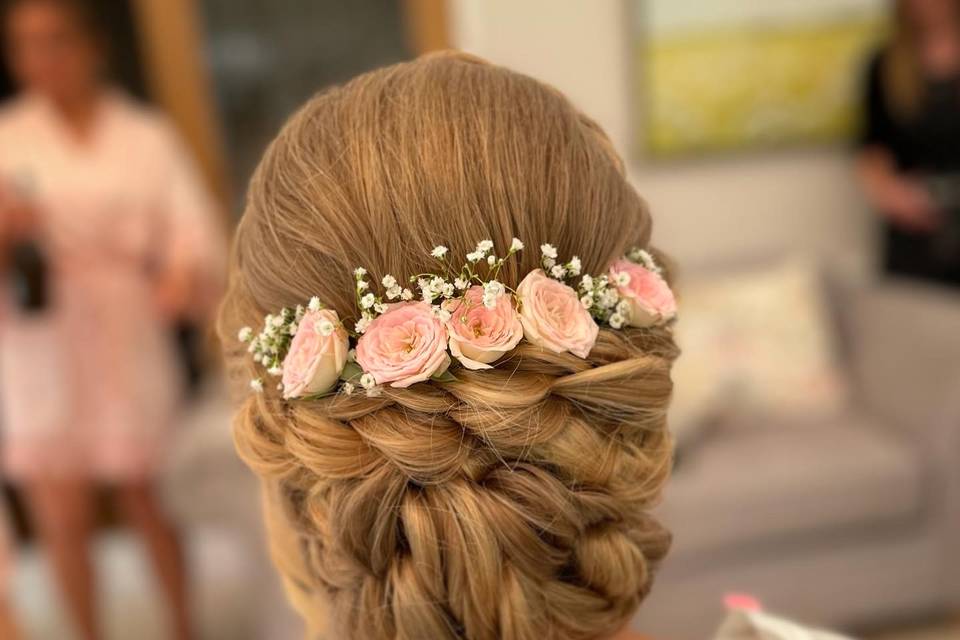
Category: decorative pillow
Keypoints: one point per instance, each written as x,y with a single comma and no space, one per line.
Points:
755,344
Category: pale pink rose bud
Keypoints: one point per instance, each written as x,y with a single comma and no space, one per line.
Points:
407,344
651,301
315,360
553,316
480,334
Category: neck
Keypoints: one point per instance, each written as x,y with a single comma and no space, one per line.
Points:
78,111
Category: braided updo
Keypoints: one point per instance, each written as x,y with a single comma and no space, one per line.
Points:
511,503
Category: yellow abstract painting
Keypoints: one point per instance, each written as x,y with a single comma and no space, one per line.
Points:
754,82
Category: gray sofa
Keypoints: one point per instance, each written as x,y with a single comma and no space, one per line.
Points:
849,523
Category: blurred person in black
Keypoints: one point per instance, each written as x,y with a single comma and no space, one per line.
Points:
909,157
114,240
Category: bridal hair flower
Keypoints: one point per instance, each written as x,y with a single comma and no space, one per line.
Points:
405,335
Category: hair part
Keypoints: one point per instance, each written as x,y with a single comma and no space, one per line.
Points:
511,504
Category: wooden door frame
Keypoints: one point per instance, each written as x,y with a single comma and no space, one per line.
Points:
178,81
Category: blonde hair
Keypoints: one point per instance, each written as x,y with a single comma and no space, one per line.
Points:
511,503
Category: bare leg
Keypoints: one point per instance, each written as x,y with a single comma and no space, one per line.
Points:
62,513
145,513
8,629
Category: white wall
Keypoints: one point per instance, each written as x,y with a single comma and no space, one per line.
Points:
706,211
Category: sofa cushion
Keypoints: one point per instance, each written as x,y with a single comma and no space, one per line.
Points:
752,486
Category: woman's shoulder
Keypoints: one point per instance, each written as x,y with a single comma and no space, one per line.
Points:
140,120
16,113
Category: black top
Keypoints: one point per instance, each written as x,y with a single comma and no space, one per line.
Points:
930,141
926,146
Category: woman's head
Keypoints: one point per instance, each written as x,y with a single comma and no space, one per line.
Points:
903,73
510,503
53,47
927,14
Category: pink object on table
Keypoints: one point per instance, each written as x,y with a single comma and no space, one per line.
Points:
741,601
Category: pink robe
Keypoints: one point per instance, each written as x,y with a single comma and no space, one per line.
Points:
91,386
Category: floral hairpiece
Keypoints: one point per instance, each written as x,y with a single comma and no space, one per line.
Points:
402,338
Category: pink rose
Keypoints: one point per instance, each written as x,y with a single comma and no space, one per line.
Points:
317,355
406,344
553,317
479,335
649,296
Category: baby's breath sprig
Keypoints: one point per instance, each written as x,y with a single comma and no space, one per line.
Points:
558,270
370,304
644,258
272,343
600,297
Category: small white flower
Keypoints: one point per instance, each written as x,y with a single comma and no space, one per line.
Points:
461,284
548,263
362,324
616,321
275,371
574,266
623,308
516,245
352,355
475,256
489,301
292,329
609,298
587,301
324,327
622,278
558,271
374,392
257,385
266,360
359,272
314,304
394,292
367,301
646,259
367,381
447,290
276,321
548,251
494,289
441,313
484,246
362,285
389,281
348,388
586,282
380,307
245,334
406,295
491,260
439,251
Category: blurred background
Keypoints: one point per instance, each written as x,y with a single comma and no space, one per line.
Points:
802,162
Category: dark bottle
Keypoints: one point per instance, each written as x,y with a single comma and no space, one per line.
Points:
28,277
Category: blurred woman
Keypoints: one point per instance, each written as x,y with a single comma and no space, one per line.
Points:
909,162
111,238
